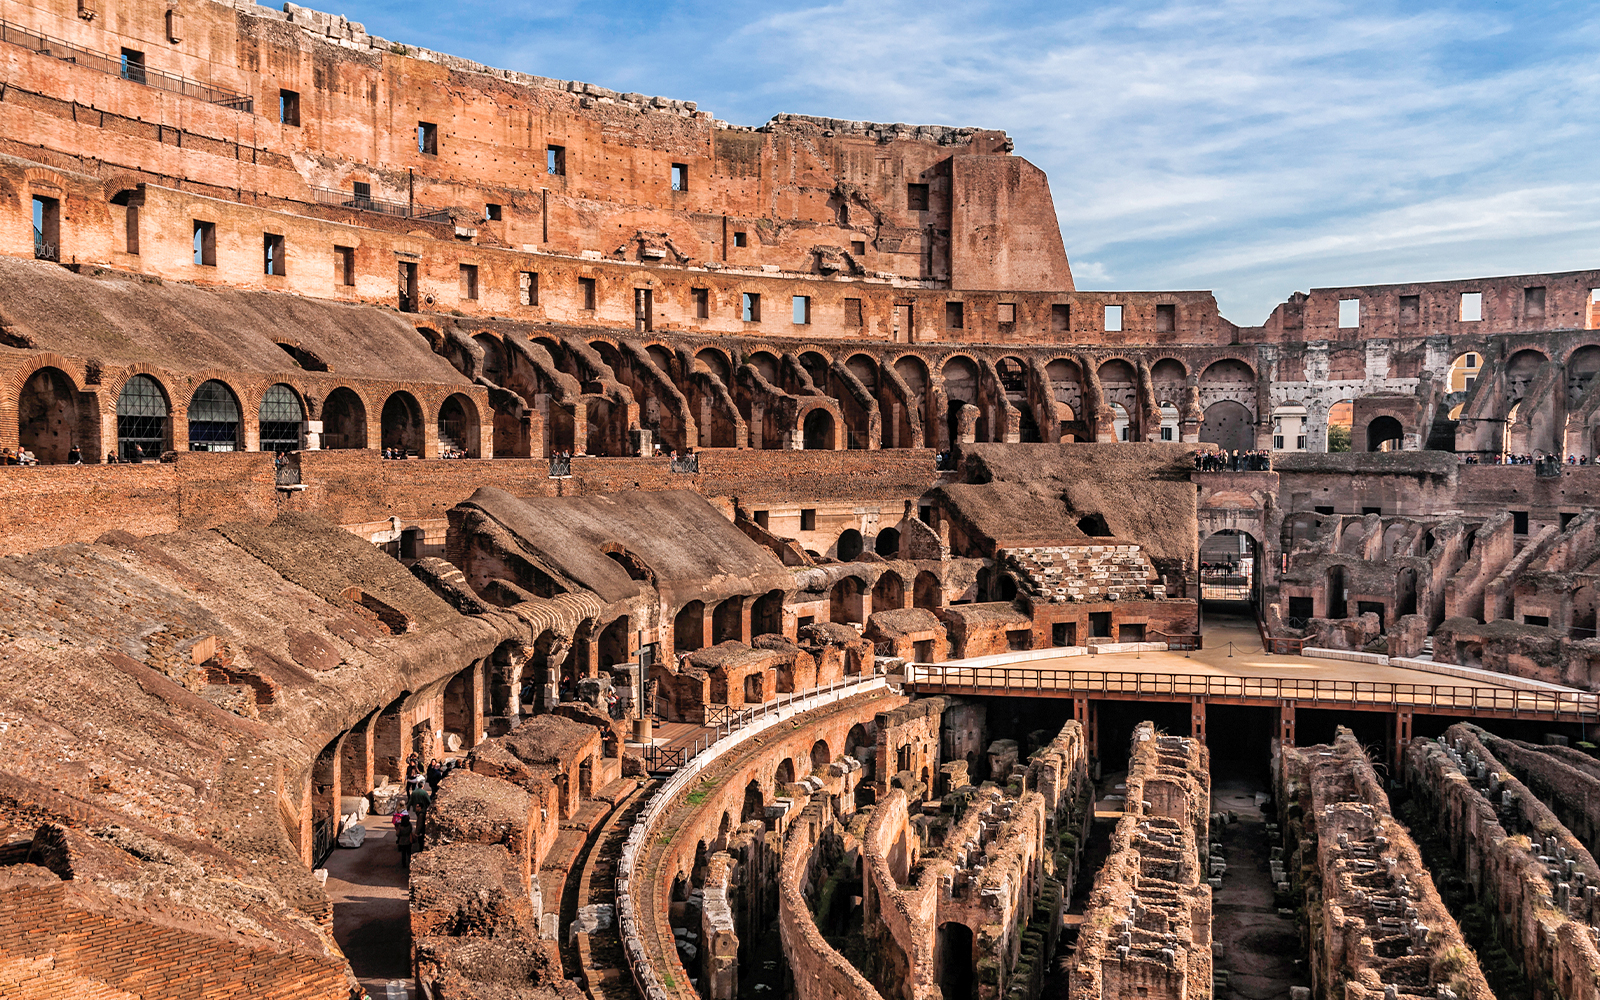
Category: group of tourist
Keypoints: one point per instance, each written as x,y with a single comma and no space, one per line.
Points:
396,453
21,456
452,453
422,784
1223,460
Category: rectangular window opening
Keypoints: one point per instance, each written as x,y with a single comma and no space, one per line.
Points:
1323,509
738,239
555,160
491,213
852,312
288,107
680,177
272,254
46,228
701,299
133,65
1410,310
1566,518
1519,522
469,281
428,138
528,288
1471,307
916,197
1371,510
1113,319
761,519
858,247
751,307
344,265
1543,620
1349,314
1166,318
802,310
361,192
955,315
1533,303
1060,317
808,519
132,229
587,290
644,309
205,243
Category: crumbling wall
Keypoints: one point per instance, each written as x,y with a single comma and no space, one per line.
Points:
1377,926
1147,929
1516,853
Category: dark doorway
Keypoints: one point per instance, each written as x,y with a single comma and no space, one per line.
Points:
954,961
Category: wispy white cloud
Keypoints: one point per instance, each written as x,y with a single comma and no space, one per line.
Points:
1253,146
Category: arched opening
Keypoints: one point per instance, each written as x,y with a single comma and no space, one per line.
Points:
1228,425
1464,371
953,963
505,679
755,803
1230,574
493,365
1171,423
1385,434
214,418
344,420
850,544
820,756
783,777
717,363
1121,427
1289,428
766,615
961,390
914,417
458,428
844,604
282,418
755,687
727,621
815,367
688,627
457,708
1405,593
819,433
887,544
1340,417
47,417
926,591
401,424
143,423
889,593
613,643
1066,387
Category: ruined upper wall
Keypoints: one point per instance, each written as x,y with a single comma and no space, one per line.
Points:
570,167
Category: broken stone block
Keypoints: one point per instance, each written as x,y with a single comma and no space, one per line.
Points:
353,836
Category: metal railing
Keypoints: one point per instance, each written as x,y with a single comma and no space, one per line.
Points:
366,203
324,835
1175,641
686,463
1577,706
134,72
46,251
560,467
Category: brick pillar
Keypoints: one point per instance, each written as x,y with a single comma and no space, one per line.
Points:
589,657
1402,736
707,621
1286,723
474,693
356,756
1197,719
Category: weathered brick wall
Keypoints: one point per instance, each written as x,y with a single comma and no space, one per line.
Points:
1060,573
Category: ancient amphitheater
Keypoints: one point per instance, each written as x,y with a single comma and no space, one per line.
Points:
816,595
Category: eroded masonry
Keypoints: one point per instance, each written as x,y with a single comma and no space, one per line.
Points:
470,535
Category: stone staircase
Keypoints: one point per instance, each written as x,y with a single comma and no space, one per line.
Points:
1063,573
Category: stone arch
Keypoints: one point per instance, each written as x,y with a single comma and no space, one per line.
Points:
954,962
1122,424
865,369
821,756
688,627
849,545
1583,365
1066,389
889,593
1289,427
962,389
1385,433
913,371
816,364
1224,573
459,427
1228,424
755,803
493,365
846,599
401,423
1171,422
52,418
887,544
727,621
344,420
144,419
214,419
819,430
1119,388
926,591
766,614
717,363
281,418
766,365
612,644
783,775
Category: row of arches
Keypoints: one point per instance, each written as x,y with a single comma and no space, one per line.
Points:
851,599
54,416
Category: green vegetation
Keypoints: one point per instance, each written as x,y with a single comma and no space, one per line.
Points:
1338,438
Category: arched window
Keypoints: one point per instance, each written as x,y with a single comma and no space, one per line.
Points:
213,418
281,419
142,415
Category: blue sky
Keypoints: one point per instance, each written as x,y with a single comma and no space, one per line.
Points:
1249,147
